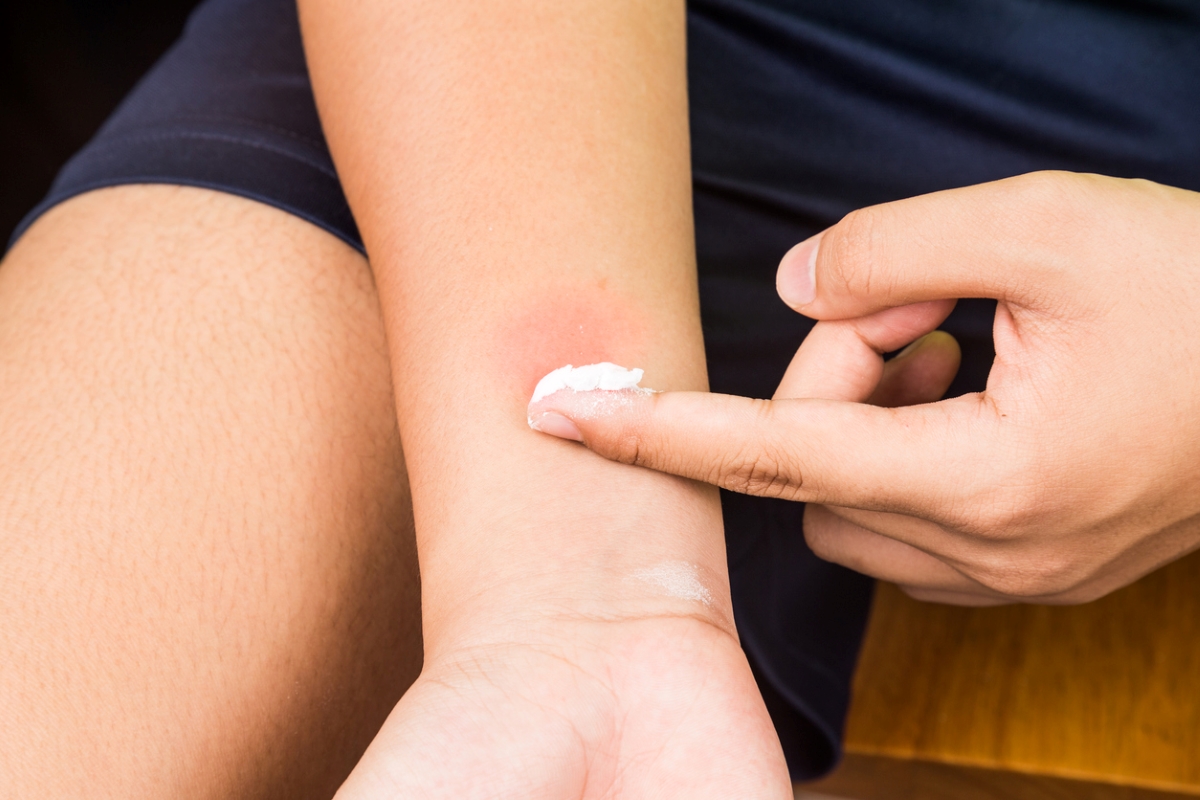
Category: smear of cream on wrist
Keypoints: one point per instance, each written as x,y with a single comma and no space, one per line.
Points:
605,376
677,579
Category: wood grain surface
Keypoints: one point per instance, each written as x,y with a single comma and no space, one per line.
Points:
881,778
1106,693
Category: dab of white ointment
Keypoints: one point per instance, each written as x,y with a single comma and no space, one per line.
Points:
604,375
677,579
617,387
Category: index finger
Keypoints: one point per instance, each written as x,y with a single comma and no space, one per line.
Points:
914,460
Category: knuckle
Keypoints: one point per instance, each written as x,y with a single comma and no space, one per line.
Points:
1028,575
1054,201
1045,187
757,473
1012,502
1060,215
762,468
856,246
1002,516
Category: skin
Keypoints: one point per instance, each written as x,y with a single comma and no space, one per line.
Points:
520,174
208,577
1073,474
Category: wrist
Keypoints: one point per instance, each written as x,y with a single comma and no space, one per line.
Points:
637,546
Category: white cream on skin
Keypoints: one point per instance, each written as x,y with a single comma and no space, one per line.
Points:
604,388
677,579
606,376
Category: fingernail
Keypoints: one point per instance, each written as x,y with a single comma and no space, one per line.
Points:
556,425
796,280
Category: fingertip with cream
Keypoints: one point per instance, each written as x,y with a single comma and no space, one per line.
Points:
571,393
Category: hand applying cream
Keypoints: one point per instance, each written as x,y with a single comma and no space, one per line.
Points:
608,382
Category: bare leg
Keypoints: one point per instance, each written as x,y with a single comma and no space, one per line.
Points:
208,583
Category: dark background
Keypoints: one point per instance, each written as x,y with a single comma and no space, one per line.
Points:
64,65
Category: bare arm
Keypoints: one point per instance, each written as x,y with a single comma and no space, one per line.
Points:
520,173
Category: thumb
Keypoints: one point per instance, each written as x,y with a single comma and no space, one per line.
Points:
996,240
907,460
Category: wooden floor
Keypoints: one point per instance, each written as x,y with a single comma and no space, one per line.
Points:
1094,702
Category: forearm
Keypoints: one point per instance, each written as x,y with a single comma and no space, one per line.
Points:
520,174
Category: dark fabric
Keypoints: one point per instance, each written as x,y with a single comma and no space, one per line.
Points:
801,110
64,66
229,107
